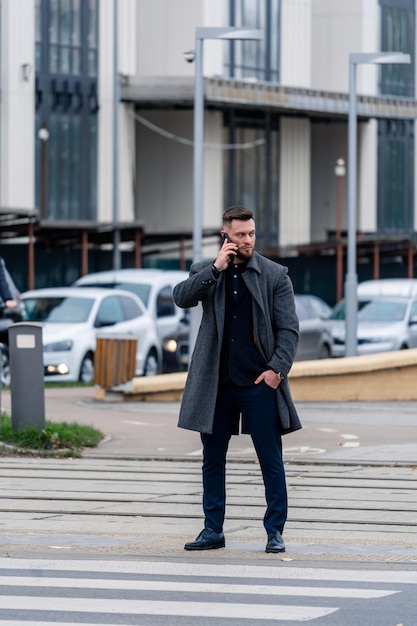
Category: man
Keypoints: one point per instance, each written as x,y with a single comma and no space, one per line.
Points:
244,350
6,297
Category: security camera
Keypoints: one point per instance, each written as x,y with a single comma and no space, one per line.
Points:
189,56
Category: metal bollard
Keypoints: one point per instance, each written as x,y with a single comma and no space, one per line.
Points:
26,375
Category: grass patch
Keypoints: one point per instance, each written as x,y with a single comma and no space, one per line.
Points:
64,385
58,385
55,437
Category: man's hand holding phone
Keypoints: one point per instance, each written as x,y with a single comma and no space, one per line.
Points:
226,254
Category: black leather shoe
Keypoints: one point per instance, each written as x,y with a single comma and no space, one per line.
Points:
275,543
206,540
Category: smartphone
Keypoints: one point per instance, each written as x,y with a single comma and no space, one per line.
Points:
227,238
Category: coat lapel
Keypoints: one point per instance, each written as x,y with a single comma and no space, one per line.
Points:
260,325
252,281
219,305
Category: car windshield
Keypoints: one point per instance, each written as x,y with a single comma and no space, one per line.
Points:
139,289
374,311
58,310
339,310
383,311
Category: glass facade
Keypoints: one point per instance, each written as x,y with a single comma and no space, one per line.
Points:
251,175
396,137
252,59
66,108
395,176
398,35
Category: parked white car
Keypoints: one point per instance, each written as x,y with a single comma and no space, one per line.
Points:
387,317
153,286
71,319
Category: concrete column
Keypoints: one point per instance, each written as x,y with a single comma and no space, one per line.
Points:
127,66
295,42
367,176
295,174
17,113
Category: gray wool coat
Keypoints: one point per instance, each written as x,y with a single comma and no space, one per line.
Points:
275,331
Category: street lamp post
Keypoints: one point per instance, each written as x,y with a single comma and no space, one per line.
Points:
43,136
340,171
116,98
351,282
202,33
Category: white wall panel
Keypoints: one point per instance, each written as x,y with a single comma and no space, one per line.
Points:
415,176
213,206
165,173
127,163
165,29
340,27
105,114
295,166
295,39
127,37
17,130
367,176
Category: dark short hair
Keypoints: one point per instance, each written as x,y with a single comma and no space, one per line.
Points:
237,213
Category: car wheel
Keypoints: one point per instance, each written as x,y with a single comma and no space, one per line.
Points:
151,367
87,369
5,367
404,347
324,352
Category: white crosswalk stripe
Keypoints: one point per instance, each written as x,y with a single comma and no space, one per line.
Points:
90,589
152,585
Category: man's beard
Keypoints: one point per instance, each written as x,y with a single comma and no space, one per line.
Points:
245,255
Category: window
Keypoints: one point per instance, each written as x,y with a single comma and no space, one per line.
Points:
110,312
302,311
259,59
396,137
130,307
398,35
395,176
165,303
251,175
58,309
65,37
382,311
66,53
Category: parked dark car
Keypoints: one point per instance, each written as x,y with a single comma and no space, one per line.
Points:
315,335
315,330
175,347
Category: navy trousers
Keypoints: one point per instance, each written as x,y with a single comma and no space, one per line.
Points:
257,404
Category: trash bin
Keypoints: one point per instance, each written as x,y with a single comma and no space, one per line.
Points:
27,392
114,360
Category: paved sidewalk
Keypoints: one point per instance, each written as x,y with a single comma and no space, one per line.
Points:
138,509
348,432
351,478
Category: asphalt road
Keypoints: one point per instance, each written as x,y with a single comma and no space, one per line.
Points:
186,594
100,539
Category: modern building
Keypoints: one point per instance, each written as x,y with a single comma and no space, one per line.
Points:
275,125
